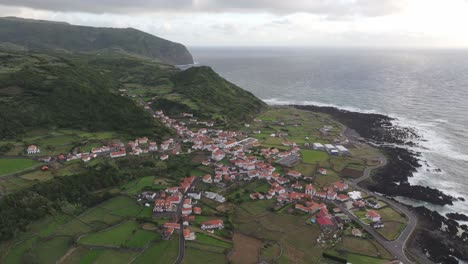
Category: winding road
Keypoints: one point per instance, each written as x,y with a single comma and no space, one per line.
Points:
396,247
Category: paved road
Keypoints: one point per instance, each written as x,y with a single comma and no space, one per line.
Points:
181,255
398,246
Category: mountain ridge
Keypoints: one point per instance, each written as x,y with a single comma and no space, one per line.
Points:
50,35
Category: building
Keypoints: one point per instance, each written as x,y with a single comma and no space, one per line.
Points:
356,232
373,216
302,208
33,149
342,150
212,224
217,155
188,235
164,157
207,179
318,146
310,190
153,146
342,197
117,154
197,210
294,173
340,186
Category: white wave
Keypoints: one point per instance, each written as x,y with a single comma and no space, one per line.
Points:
431,145
430,140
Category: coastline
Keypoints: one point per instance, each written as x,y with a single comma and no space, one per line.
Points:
442,239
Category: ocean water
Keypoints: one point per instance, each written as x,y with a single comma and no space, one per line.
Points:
425,89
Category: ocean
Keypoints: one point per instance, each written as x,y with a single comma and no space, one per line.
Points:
424,89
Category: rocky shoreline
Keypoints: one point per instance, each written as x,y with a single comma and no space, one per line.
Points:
441,239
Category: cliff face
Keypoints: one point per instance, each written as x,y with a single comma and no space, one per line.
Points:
47,35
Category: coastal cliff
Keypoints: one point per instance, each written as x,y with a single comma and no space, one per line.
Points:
38,35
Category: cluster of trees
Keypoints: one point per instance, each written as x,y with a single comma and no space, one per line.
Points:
21,208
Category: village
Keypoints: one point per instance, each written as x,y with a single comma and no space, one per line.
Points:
237,157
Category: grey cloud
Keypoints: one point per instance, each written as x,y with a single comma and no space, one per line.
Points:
324,7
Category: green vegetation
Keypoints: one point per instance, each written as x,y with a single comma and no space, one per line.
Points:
40,35
14,165
313,156
44,82
212,94
161,252
209,240
126,234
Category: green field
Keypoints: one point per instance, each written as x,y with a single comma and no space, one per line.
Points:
135,186
194,255
8,166
313,156
114,236
49,251
209,240
163,252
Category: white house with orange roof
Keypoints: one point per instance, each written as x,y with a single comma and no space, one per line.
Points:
33,149
212,224
310,189
373,216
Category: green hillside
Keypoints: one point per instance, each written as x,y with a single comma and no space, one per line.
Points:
198,90
83,91
50,91
46,35
213,94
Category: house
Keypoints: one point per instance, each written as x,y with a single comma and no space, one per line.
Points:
164,157
171,225
297,186
310,190
217,155
342,197
117,154
207,178
282,180
279,190
85,158
302,208
188,235
153,146
359,204
314,206
373,216
197,210
324,219
322,195
142,140
356,232
33,149
323,171
187,203
294,174
340,186
44,168
331,195
212,224
186,211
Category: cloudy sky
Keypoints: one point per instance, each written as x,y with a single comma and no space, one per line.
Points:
343,23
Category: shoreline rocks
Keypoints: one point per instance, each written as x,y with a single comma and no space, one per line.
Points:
441,239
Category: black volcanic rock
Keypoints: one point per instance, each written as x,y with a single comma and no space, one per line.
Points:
457,216
401,162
